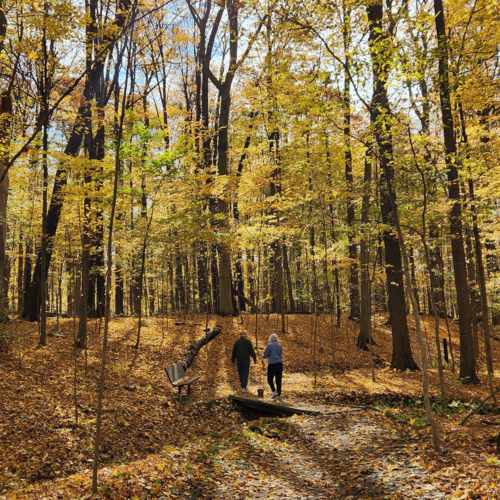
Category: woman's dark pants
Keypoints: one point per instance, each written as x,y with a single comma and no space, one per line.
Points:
275,371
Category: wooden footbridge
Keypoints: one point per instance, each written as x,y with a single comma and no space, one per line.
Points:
273,406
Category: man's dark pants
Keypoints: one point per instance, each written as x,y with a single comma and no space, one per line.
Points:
243,370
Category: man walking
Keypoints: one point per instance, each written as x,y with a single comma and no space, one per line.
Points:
242,351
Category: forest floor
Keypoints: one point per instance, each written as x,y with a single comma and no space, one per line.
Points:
204,447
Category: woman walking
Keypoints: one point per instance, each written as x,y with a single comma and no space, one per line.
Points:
274,356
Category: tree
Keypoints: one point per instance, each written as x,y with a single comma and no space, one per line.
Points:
223,85
402,358
467,360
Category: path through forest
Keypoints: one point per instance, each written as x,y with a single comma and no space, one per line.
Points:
333,456
206,447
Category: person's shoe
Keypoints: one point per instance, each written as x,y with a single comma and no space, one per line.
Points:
274,395
243,389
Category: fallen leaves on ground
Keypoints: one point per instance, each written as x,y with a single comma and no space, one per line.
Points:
156,447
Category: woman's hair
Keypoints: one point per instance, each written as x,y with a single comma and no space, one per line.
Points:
273,338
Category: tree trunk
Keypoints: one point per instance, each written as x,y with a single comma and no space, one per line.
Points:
119,291
240,284
364,337
482,287
83,301
437,278
5,119
402,358
20,273
289,283
413,277
353,253
471,271
202,271
179,282
225,294
467,360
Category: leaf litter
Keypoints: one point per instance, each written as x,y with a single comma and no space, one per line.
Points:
203,447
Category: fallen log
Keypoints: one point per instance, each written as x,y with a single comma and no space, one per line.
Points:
245,300
195,347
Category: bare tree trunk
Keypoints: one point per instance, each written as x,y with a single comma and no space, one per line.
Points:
437,278
289,284
413,277
225,286
5,119
471,272
107,305
119,295
423,354
365,337
20,274
43,280
482,288
353,254
467,360
402,357
84,280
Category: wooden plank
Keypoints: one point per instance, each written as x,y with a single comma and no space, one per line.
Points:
182,384
259,404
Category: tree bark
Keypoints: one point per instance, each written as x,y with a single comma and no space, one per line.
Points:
365,324
195,347
467,359
5,119
289,283
225,295
20,273
402,358
353,252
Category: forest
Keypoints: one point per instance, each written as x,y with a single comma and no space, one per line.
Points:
176,172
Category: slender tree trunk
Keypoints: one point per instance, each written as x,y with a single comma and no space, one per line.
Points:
289,283
43,281
240,284
482,288
364,337
20,273
437,278
83,301
119,291
337,293
471,272
411,256
107,314
353,253
5,120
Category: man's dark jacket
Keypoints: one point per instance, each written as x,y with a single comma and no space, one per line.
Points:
243,348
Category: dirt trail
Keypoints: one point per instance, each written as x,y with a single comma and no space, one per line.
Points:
326,457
